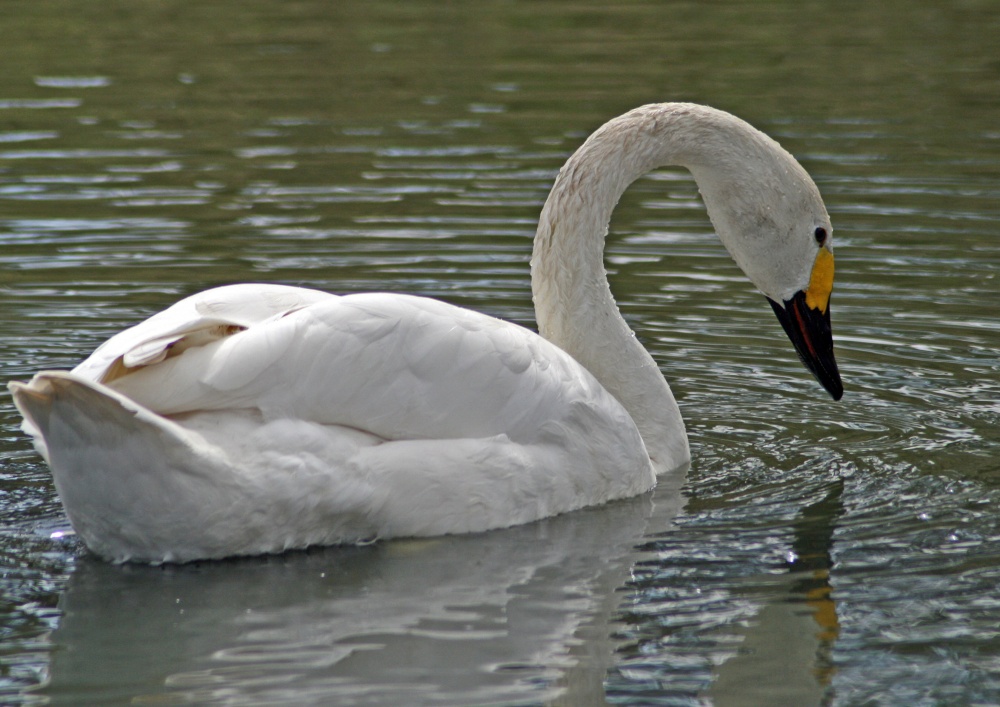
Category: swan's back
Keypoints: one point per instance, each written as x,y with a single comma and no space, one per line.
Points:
395,366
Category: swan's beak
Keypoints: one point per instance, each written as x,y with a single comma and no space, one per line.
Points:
809,330
806,320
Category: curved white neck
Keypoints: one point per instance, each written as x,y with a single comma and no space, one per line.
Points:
573,302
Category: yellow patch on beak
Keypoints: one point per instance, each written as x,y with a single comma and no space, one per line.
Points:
820,281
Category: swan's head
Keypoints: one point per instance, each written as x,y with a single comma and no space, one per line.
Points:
770,216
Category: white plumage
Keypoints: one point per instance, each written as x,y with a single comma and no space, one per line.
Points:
255,418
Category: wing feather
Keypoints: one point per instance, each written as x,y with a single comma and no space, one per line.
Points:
195,321
396,366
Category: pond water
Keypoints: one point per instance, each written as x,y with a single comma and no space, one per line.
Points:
818,553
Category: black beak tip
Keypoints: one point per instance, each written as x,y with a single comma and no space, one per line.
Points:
834,387
810,333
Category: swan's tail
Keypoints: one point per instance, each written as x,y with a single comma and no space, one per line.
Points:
116,465
49,402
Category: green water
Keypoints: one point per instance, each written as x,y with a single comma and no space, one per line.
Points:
821,553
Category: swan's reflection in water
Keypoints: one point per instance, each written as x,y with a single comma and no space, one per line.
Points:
514,616
785,657
521,616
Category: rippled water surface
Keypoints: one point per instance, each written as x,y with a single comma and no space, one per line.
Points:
818,553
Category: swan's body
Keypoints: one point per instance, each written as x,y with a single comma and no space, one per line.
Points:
256,418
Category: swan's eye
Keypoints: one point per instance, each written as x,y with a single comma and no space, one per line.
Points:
820,234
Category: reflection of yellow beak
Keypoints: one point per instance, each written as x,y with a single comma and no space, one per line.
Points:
820,281
820,598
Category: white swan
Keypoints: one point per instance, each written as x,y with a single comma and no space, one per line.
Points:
256,418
